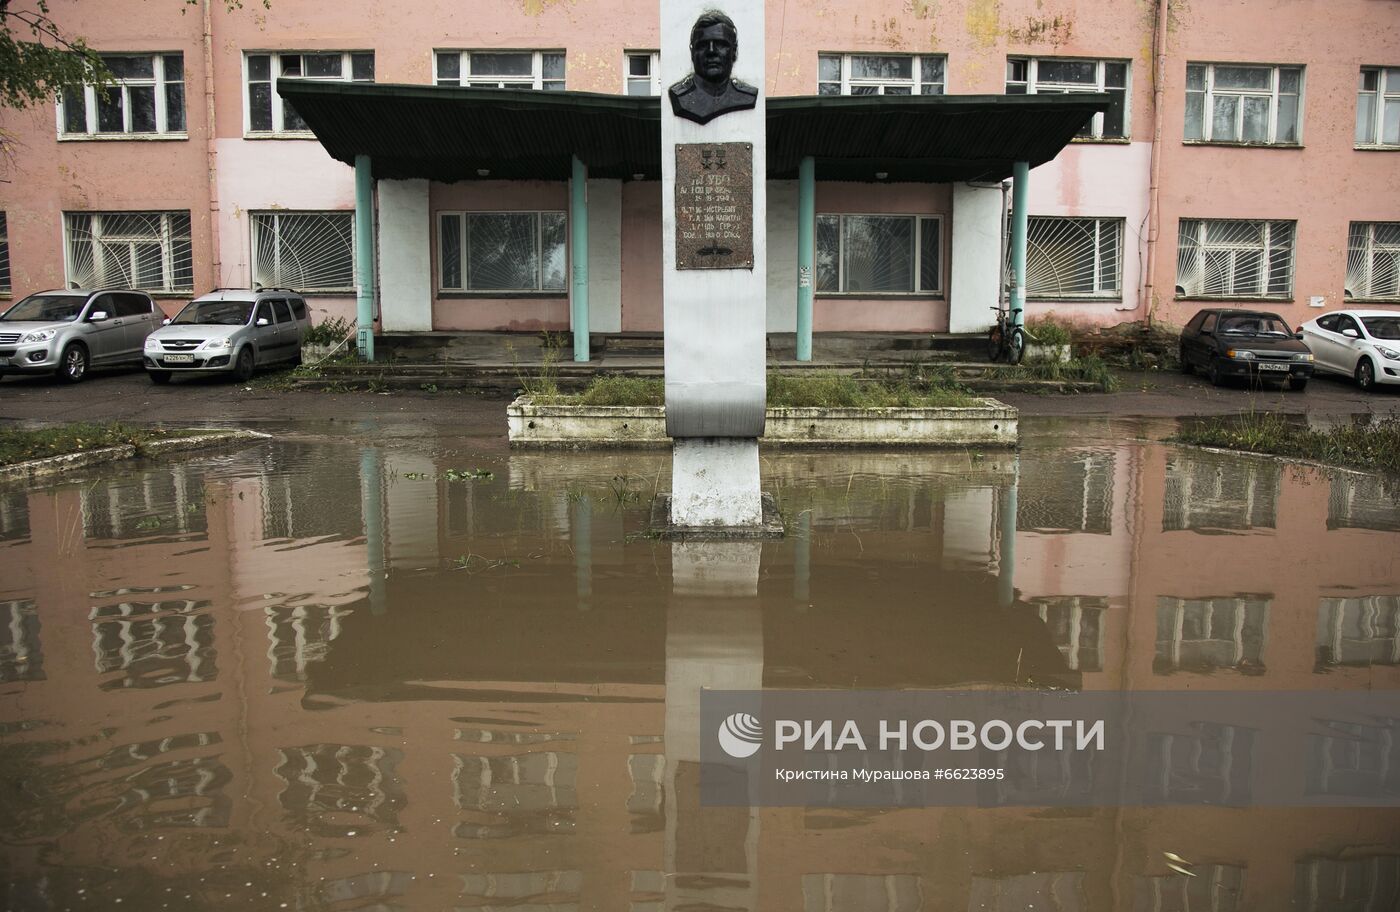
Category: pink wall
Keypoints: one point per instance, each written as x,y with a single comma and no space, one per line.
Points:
641,256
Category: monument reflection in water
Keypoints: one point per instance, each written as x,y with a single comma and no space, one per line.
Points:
329,674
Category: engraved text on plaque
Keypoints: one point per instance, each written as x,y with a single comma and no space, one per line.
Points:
714,205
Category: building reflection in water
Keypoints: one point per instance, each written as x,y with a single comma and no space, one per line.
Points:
363,672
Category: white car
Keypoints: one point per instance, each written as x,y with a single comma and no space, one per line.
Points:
1362,344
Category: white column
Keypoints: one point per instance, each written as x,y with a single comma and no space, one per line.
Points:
976,268
604,256
405,257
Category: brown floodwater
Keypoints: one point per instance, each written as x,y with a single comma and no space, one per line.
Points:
399,670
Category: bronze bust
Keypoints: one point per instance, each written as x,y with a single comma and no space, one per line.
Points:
710,91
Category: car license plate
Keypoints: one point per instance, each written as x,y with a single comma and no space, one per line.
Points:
1273,367
178,359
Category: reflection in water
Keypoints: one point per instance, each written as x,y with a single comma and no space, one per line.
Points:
345,676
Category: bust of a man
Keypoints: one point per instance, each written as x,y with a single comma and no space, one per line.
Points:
711,91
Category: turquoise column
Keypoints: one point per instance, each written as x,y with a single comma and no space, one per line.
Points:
364,257
372,509
1020,185
578,258
1006,522
806,253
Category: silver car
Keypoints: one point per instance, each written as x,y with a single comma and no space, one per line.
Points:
67,332
230,331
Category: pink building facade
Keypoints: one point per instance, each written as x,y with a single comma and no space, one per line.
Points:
1272,179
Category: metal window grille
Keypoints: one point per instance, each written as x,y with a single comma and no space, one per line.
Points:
147,96
881,74
1378,107
4,255
502,251
878,254
1373,261
1234,258
641,73
146,250
543,70
267,112
1243,104
1063,76
307,251
1074,257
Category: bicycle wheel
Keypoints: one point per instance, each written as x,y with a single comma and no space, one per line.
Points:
994,342
1015,345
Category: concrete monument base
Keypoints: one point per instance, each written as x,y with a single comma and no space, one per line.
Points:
663,528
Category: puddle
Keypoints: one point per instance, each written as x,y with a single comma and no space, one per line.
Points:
322,674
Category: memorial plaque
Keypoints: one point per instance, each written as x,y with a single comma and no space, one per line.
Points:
714,205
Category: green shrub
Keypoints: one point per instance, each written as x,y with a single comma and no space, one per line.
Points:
1049,330
809,389
328,332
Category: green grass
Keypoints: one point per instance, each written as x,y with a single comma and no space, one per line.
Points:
328,332
808,389
22,445
1049,331
1359,445
1090,369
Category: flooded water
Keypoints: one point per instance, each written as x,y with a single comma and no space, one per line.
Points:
405,671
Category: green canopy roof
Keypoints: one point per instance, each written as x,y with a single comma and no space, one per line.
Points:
448,133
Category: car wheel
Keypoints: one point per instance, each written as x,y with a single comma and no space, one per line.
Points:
1298,384
296,359
1186,367
73,363
1366,375
1214,375
160,378
243,367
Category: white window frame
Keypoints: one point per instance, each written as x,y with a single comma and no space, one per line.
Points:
1203,243
274,73
166,239
653,69
1034,85
1210,93
157,82
535,80
918,218
1387,89
461,216
1099,293
914,84
1361,263
256,218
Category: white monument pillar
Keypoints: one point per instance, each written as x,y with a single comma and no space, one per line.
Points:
714,264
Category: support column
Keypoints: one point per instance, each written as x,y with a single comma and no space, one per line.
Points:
364,257
1006,528
372,508
1020,186
578,258
806,253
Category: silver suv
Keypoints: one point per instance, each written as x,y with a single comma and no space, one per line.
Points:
229,330
68,331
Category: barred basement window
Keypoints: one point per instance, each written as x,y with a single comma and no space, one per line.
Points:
881,74
1234,258
304,251
1063,76
502,69
267,113
146,250
878,254
1074,258
501,251
4,255
1243,104
1373,261
146,97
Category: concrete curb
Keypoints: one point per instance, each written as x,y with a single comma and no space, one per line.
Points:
68,462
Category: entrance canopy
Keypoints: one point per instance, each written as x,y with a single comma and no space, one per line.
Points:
451,134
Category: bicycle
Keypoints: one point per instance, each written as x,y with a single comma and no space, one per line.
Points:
1006,338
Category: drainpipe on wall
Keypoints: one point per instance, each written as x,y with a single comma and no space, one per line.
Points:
211,149
1159,72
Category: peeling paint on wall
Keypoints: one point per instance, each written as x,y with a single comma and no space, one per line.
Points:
535,7
928,11
984,22
1052,30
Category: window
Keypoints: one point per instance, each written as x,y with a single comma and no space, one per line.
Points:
1234,258
1243,104
1373,261
1062,76
267,113
4,255
146,250
1074,258
146,98
308,251
1378,107
1211,634
879,254
502,69
501,251
642,73
881,74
